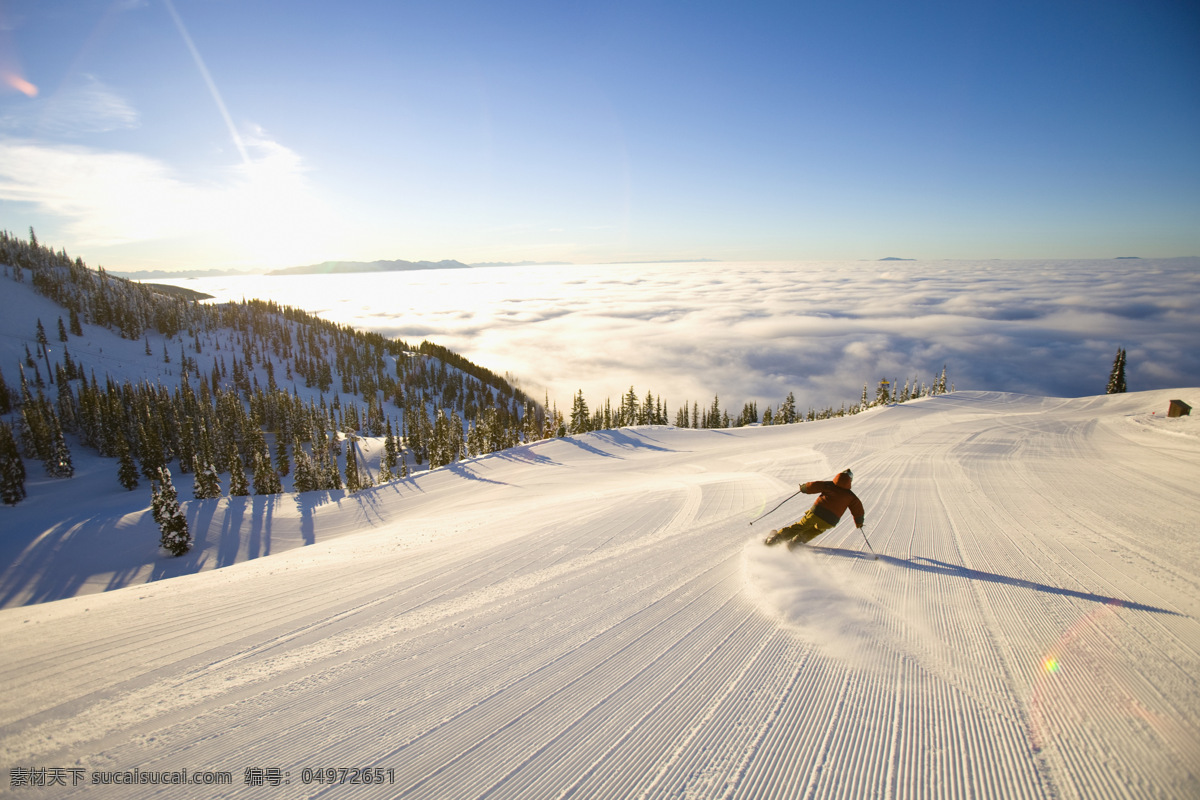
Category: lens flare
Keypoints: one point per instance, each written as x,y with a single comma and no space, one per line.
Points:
20,84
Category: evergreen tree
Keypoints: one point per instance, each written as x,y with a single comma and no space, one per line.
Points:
787,410
59,465
12,468
457,443
172,524
333,475
5,396
681,417
1116,378
579,414
390,453
127,471
282,463
883,393
207,485
150,449
305,479
714,414
238,485
352,481
266,480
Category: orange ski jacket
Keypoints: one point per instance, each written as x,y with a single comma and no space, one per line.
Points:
833,502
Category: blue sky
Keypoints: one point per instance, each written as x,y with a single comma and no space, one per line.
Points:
148,134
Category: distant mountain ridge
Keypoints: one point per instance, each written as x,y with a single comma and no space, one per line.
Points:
339,267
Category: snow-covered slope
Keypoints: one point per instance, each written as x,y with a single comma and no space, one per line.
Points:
594,617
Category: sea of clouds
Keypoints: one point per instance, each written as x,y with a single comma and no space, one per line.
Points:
757,331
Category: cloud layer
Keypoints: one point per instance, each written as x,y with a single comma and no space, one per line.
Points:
757,331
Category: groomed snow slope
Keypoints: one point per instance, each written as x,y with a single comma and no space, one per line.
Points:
594,617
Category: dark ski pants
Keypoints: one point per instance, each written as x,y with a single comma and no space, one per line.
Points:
805,529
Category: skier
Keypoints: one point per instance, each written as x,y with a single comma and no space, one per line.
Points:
835,498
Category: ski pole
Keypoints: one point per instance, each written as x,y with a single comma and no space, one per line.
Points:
776,508
863,531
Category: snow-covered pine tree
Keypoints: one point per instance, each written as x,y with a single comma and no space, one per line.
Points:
175,537
457,443
352,482
579,414
207,485
390,453
1116,378
787,410
883,393
238,485
305,476
12,468
333,474
266,480
282,461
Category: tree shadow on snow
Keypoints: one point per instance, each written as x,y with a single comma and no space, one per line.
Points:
526,456
631,440
622,438
60,561
932,565
463,471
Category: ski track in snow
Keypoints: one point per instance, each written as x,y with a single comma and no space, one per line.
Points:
594,617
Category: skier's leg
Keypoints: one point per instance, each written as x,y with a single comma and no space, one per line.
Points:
812,531
802,529
785,534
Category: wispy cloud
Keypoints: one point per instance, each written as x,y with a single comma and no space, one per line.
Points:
85,106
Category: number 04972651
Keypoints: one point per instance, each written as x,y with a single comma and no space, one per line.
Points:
361,775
